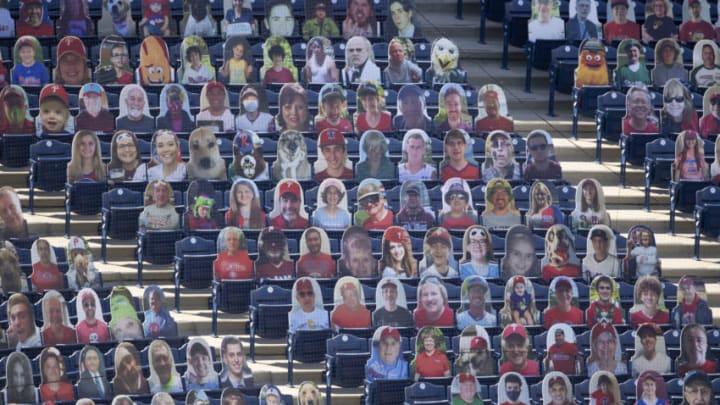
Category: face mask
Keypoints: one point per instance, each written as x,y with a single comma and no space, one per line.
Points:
513,395
250,106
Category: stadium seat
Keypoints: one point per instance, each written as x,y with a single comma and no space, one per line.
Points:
659,156
306,346
194,257
385,391
563,61
231,296
539,56
48,167
84,197
269,306
346,356
425,393
515,27
156,247
608,118
120,210
707,215
632,150
15,149
682,197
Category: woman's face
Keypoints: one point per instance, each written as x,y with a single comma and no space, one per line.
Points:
649,299
19,374
333,196
72,68
294,114
87,147
588,191
521,257
458,202
375,152
453,106
668,55
397,251
431,299
675,104
429,344
232,242
606,346
478,246
167,149
244,195
161,195
540,197
659,8
126,150
370,103
51,369
690,143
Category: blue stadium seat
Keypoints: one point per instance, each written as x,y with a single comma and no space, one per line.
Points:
538,55
425,393
632,150
120,210
609,115
231,296
515,26
306,346
707,215
156,247
15,149
194,257
682,197
48,167
84,197
385,391
346,357
659,156
269,306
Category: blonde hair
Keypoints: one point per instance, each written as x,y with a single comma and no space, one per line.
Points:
74,168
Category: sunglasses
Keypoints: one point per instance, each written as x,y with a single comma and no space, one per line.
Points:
458,196
678,99
373,199
538,147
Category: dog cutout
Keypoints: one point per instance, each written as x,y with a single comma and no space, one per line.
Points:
309,394
120,13
292,159
205,161
10,276
248,161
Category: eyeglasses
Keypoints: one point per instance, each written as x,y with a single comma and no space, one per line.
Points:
372,199
303,294
458,196
678,99
537,147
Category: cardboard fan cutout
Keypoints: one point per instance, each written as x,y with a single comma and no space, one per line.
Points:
605,353
621,23
659,23
74,19
199,21
215,111
589,205
273,260
54,385
642,258
649,302
238,63
54,116
86,160
350,310
706,71
238,21
81,265
155,18
401,66
320,20
476,307
293,111
444,63
28,69
56,329
415,212
604,302
332,109
564,305
205,160
202,208
453,111
71,62
650,351
373,212
15,115
278,64
475,354
129,378
289,206
710,121
391,305
159,212
492,110
519,308
678,113
411,109
134,110
94,113
254,112
332,207
668,62
458,211
438,260
360,20
500,157
280,21
307,307
432,304
91,327
402,23
374,157
200,373
315,256
520,258
592,65
557,389
540,162
543,213
696,24
154,67
430,358
356,254
417,162
359,61
545,22
19,386
583,23
236,372
397,256
694,353
196,65
320,66
386,360
562,354
692,305
233,260
560,258
631,69
246,210
513,389
689,161
478,257
458,161
500,210
651,388
46,273
604,389
34,19
175,109
124,322
158,321
601,256
93,382
164,377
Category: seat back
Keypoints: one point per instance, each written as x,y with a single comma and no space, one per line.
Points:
707,203
158,245
121,208
611,110
85,196
563,62
308,345
48,164
659,155
194,257
425,393
270,305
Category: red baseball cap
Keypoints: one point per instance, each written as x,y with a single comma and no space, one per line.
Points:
600,328
290,187
388,284
390,331
304,284
516,329
478,342
396,234
466,377
54,90
330,136
71,44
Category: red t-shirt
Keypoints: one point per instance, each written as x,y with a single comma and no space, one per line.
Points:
598,313
268,270
446,319
708,367
346,174
618,32
342,126
570,270
603,398
281,223
344,317
385,123
469,172
321,266
563,357
371,224
651,128
463,222
555,315
236,267
46,277
433,365
692,31
531,367
488,124
637,318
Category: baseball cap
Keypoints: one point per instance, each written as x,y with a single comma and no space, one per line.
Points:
54,90
599,233
92,88
290,187
333,91
390,331
396,234
466,377
564,282
600,328
388,284
624,3
439,235
330,136
369,187
514,329
479,343
71,44
367,88
648,327
304,284
76,243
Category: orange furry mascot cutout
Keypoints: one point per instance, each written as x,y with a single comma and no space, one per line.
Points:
592,66
154,62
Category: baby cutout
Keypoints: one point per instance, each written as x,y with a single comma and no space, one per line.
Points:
54,117
519,305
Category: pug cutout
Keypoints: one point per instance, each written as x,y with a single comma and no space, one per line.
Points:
292,161
94,113
649,302
651,388
545,22
248,160
91,327
74,19
196,67
475,307
254,114
93,382
513,389
710,121
289,206
174,109
46,273
604,302
458,211
273,260
81,272
650,351
374,157
124,322
415,213
202,208
444,63
320,20
129,378
215,111
397,255
642,258
332,209
592,64
417,162
54,116
401,66
155,18
56,329
391,305
706,60
320,61
158,321
541,162
563,305
438,259
15,115
205,161
430,358
604,389
54,385
238,66
562,355
278,64
199,21
557,389
520,258
315,256
500,210
350,311
492,110
692,305
589,205
19,386
154,67
669,62
519,306
475,355
560,258
500,157
543,213
356,257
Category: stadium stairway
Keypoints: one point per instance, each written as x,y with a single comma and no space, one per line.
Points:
482,61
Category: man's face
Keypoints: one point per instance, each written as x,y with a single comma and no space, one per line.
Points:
512,389
334,108
455,148
92,361
93,103
232,241
492,105
604,291
659,8
289,206
558,393
648,342
500,198
389,350
34,13
72,68
11,216
559,337
467,390
234,358
544,9
715,109
440,252
334,156
55,312
314,242
600,246
43,249
476,295
357,51
500,151
201,364
389,295
373,205
351,298
27,54
696,343
620,13
708,56
21,321
415,149
216,98
397,53
281,21
668,55
155,302
649,299
361,263
538,148
698,393
119,57
564,296
431,298
360,12
633,55
135,102
695,10
412,201
161,195
582,9
411,106
272,400
306,298
400,17
688,291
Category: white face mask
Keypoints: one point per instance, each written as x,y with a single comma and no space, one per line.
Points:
250,105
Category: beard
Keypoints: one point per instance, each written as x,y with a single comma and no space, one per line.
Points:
135,113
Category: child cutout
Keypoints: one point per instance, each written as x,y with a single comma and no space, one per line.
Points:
604,302
706,71
668,62
651,389
196,67
401,67
543,213
556,386
94,111
430,358
332,112
545,22
45,271
288,206
215,109
199,21
91,328
200,374
500,210
601,256
56,329
54,385
371,113
166,163
124,321
415,212
307,307
475,353
158,321
563,305
649,303
254,112
315,258
202,211
28,68
238,65
114,66
540,163
438,259
397,257
332,207
373,212
154,67
453,111
386,362
458,211
560,258
350,311
710,121
458,161
478,257
391,305
520,258
34,19
417,162
273,262
562,355
444,66
589,206
322,22
332,161
74,19
692,305
650,352
475,307
15,115
86,161
500,158
678,113
690,161
604,389
642,258
374,157
513,389
54,117
233,261
519,301
320,62
159,212
592,63
156,18
174,109
278,65
631,69
492,110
